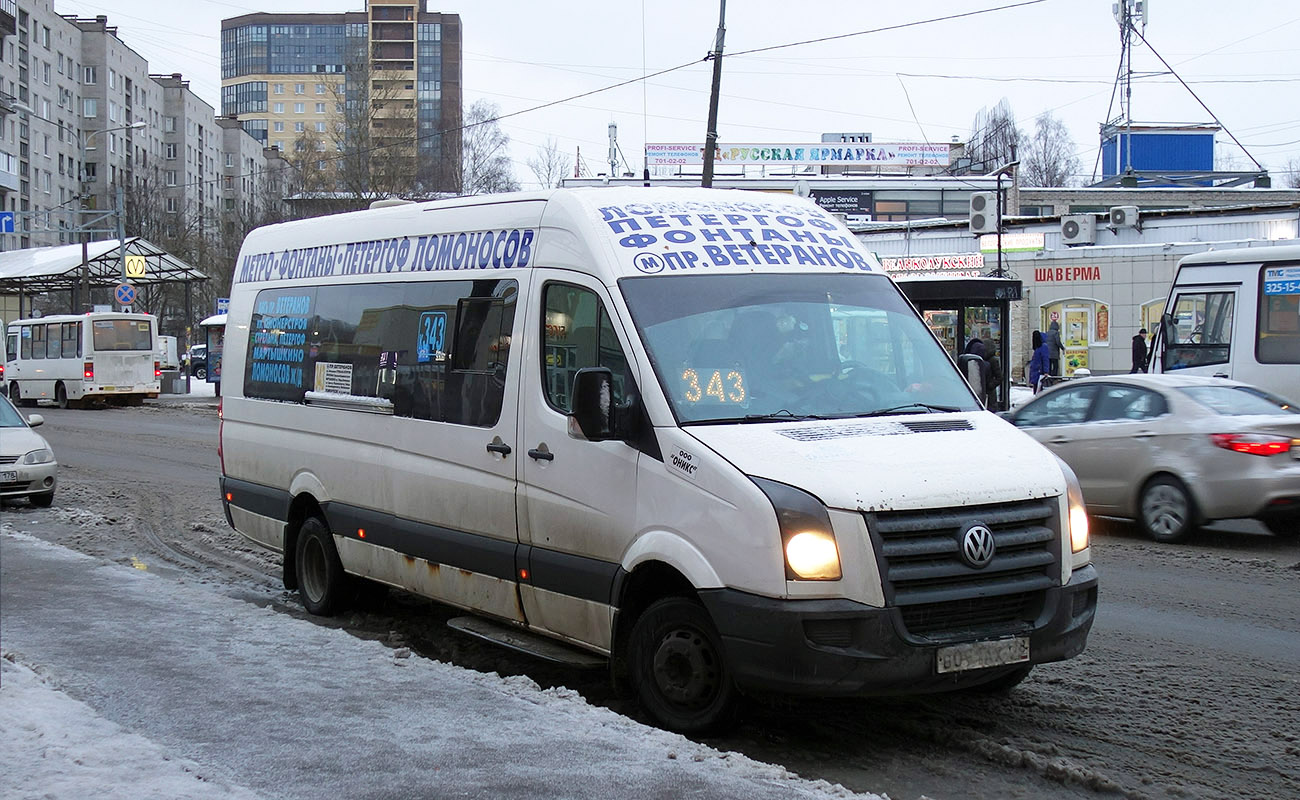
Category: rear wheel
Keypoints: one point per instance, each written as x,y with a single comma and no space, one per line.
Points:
1165,511
201,373
61,396
678,669
322,584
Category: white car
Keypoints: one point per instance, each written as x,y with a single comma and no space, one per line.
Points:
27,465
1173,451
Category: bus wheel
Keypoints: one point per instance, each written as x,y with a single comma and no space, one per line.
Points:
15,394
61,396
322,583
678,670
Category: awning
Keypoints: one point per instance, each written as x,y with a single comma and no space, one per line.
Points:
44,269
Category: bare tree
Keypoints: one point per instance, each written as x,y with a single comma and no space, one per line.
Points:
485,152
995,138
550,165
1049,158
1292,172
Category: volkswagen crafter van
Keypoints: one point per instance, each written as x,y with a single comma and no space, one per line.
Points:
698,434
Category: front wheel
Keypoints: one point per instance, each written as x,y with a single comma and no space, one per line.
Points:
322,583
678,669
1165,511
201,373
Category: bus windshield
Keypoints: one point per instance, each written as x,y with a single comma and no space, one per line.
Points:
767,347
121,334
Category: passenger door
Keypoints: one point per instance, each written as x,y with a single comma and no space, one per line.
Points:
1201,340
577,500
1116,446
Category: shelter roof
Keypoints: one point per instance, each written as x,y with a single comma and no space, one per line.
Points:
43,269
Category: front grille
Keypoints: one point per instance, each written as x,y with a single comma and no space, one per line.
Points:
939,595
9,459
14,486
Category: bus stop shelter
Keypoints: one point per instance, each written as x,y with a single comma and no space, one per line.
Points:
70,268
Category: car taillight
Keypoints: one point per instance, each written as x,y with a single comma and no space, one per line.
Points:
88,371
1255,444
2,370
157,369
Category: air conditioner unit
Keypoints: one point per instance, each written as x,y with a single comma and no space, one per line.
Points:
1125,217
983,212
1079,229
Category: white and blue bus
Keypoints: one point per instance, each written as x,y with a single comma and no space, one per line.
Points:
78,359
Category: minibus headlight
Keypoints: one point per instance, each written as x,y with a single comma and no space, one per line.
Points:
41,456
807,539
1077,513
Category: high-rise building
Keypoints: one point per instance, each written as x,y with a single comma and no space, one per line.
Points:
368,100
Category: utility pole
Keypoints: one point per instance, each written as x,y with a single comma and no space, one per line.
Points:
711,135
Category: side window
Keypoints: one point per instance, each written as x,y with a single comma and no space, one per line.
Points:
1127,403
27,341
11,346
577,333
434,350
1278,337
1202,330
54,341
72,340
1062,407
38,341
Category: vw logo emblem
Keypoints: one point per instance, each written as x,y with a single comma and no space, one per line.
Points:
649,263
977,546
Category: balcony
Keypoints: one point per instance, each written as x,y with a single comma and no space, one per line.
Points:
9,180
8,17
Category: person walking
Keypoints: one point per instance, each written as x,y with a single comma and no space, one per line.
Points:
1139,352
1039,364
1054,347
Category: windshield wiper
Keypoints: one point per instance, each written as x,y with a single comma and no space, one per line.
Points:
929,409
776,416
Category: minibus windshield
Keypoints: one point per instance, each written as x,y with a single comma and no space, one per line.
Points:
771,347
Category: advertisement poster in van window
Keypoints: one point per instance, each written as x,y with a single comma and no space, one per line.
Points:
278,344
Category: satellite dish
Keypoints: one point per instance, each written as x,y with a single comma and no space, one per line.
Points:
802,189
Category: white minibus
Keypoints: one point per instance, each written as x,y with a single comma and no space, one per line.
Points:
1235,314
77,359
697,434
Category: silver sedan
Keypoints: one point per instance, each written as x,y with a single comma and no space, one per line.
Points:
27,465
1173,452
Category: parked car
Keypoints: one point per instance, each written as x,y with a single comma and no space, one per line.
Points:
196,361
27,465
1173,452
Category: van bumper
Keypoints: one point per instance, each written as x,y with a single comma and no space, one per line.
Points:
832,648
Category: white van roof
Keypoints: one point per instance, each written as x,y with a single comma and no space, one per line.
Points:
1247,255
607,232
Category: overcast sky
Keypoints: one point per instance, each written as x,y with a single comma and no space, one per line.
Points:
921,83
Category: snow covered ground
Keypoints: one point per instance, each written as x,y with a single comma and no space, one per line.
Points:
119,683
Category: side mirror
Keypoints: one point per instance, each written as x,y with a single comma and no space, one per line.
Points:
35,420
1168,329
593,403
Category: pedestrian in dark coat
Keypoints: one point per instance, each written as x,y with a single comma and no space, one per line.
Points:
1039,363
1140,352
1054,347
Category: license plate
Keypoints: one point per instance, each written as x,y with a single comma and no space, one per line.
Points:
8,475
976,655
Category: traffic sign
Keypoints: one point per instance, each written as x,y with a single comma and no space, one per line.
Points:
223,305
135,266
6,222
125,294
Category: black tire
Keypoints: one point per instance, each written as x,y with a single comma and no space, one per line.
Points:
15,394
201,373
42,500
678,669
1282,526
324,587
1165,510
61,396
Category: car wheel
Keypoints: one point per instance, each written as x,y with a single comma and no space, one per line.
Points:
1282,526
322,584
61,396
42,500
201,373
678,670
1165,510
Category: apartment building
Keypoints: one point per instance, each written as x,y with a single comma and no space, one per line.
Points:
81,115
384,79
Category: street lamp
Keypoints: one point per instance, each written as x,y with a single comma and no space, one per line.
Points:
998,173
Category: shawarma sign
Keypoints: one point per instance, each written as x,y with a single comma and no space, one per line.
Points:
910,154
